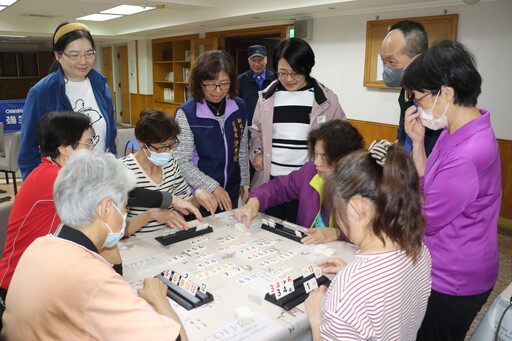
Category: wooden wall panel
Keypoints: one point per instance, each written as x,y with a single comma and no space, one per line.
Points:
375,131
506,175
378,131
139,102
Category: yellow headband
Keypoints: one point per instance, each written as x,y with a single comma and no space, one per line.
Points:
75,26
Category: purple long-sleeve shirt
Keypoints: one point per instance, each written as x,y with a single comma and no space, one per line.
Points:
294,186
462,187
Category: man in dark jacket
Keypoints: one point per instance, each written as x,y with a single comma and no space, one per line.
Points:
255,79
405,40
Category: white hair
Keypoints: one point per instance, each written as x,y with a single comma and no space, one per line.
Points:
87,179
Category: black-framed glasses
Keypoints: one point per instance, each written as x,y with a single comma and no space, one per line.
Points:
164,148
75,57
213,87
293,75
94,141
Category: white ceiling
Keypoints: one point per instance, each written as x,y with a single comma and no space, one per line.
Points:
39,18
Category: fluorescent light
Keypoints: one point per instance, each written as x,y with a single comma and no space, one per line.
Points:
127,9
11,36
99,17
7,2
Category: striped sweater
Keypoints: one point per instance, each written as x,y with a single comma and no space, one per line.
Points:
172,182
381,296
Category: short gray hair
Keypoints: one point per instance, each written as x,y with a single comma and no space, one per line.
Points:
86,179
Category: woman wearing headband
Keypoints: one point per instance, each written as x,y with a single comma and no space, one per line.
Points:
72,86
382,294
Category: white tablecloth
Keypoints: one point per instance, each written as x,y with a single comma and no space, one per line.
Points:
144,257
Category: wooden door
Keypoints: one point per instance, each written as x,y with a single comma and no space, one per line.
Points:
124,84
107,70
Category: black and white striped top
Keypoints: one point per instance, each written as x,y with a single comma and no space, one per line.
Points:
172,182
290,128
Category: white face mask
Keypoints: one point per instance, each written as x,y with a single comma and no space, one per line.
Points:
114,237
160,159
427,117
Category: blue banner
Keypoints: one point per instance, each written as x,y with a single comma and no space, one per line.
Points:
10,114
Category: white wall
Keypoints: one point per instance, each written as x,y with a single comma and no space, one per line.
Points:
485,28
145,67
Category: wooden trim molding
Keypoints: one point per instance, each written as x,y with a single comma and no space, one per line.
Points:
378,131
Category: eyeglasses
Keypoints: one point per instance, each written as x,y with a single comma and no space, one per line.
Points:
75,57
293,75
417,101
164,148
94,141
213,87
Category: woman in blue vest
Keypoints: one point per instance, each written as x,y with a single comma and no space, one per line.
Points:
213,148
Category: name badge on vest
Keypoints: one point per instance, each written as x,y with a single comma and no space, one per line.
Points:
320,119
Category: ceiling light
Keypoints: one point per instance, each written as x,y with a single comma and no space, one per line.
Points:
11,36
127,9
2,8
99,17
7,2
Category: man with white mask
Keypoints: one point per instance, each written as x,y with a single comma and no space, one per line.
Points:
405,40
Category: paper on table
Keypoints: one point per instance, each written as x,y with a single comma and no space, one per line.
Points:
148,265
260,329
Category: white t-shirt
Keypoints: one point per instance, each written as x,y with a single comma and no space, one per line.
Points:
82,100
378,297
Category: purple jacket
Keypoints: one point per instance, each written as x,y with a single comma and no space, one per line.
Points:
462,187
294,186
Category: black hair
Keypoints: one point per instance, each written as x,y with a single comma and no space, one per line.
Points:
297,53
61,128
155,126
67,38
446,63
339,138
415,36
207,67
394,190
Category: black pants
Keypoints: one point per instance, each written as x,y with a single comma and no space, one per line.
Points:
3,293
287,211
448,317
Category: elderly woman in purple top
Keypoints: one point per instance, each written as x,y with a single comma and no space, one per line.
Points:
327,144
462,186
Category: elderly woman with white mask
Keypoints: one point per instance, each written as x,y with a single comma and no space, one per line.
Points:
63,289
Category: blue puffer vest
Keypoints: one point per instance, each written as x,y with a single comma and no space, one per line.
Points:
216,148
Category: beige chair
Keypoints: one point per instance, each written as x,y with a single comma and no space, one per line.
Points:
123,138
9,148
